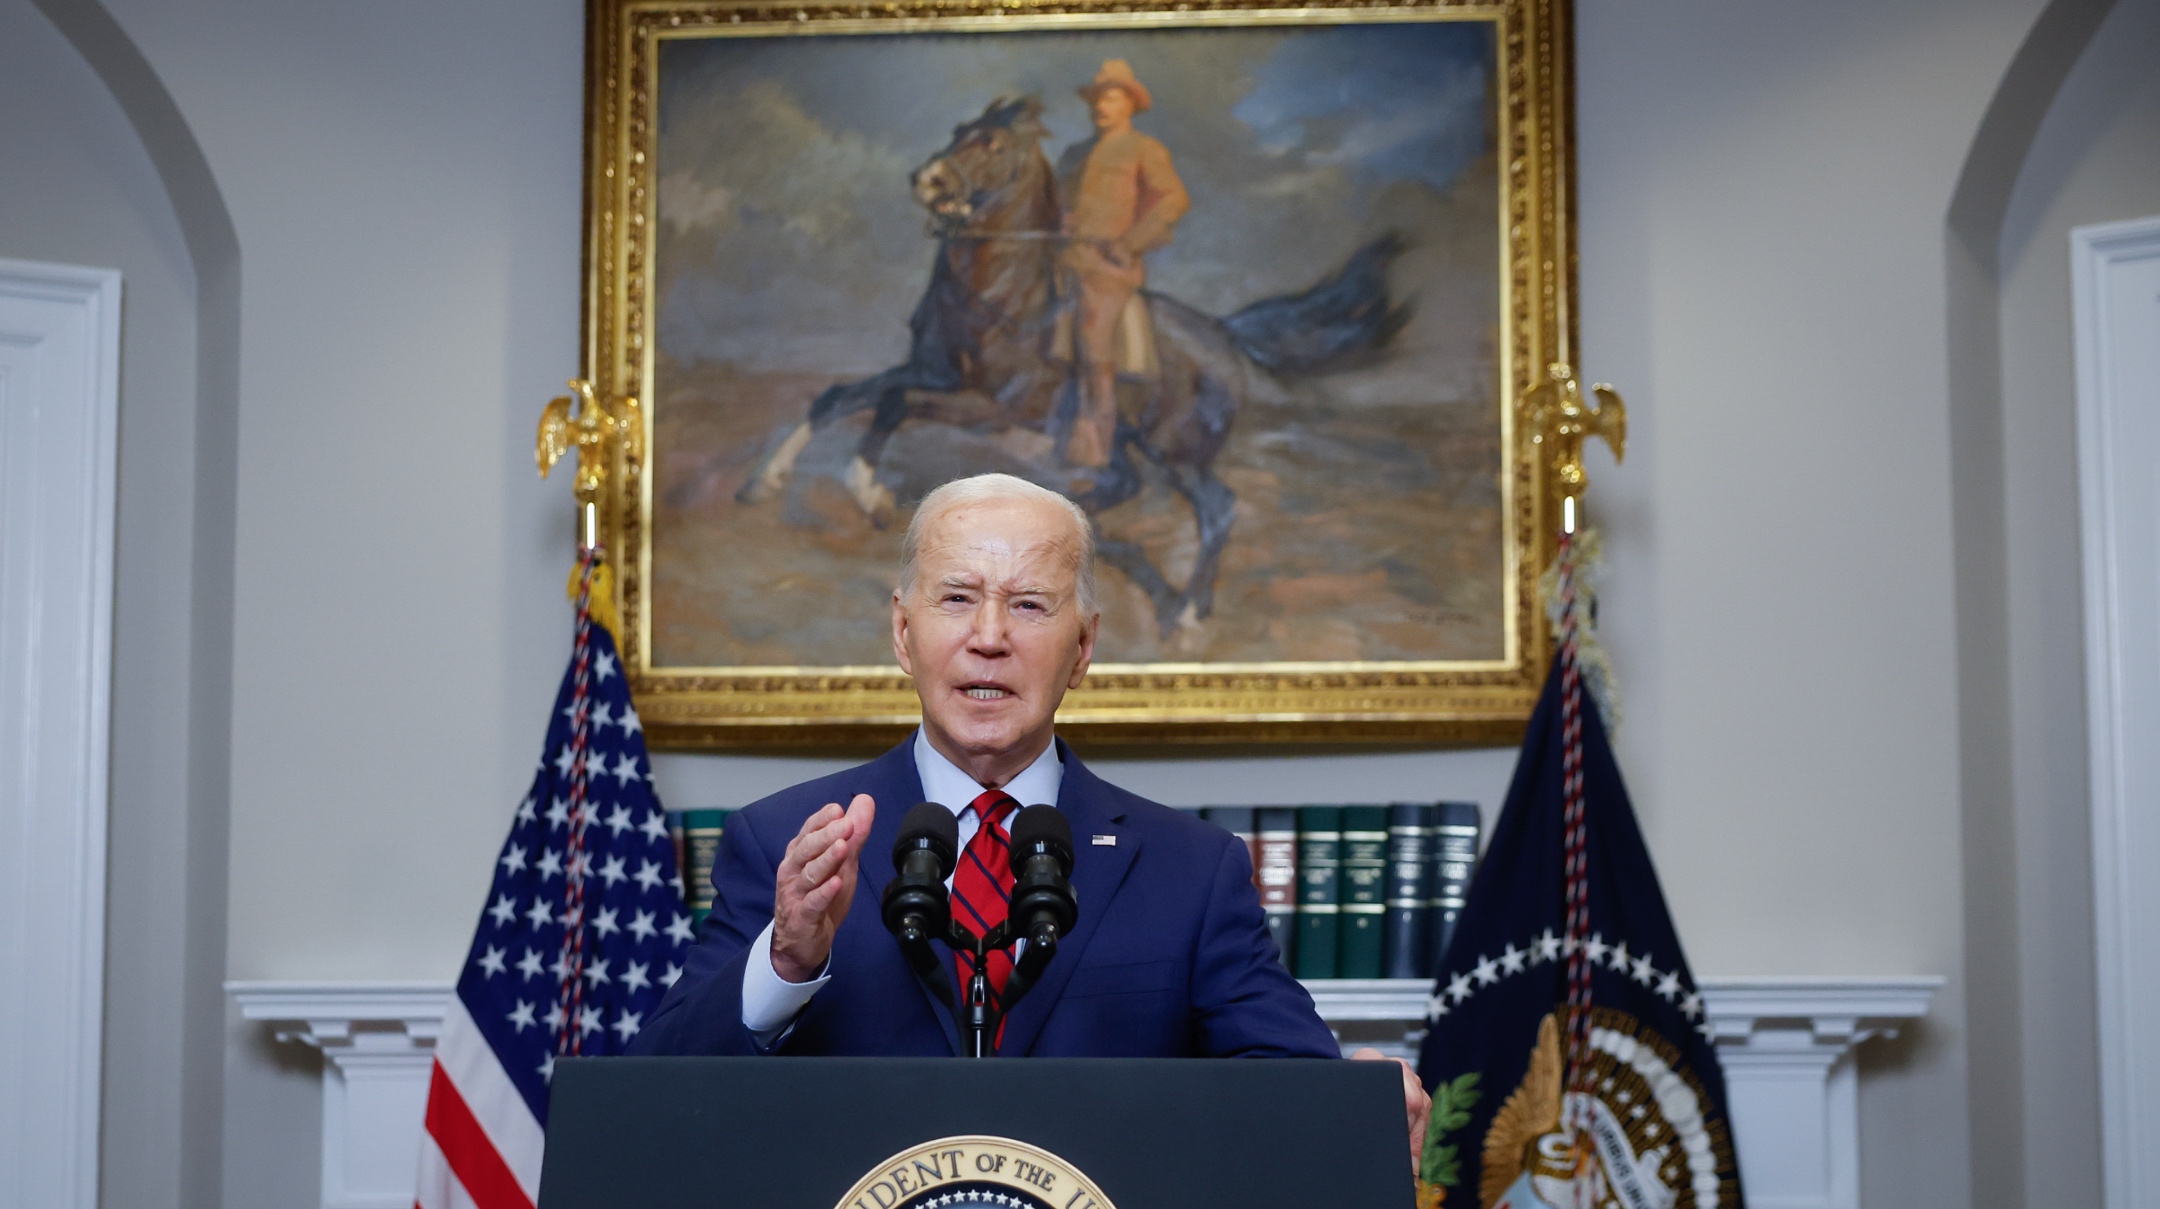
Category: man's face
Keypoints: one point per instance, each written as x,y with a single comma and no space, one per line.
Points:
1113,108
991,629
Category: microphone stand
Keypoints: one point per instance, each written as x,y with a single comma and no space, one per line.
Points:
974,1014
978,1018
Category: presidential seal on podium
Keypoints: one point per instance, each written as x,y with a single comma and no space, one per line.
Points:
974,1172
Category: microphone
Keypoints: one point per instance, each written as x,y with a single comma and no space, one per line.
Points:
917,908
1043,906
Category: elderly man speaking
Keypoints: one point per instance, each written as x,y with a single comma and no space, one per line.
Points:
995,619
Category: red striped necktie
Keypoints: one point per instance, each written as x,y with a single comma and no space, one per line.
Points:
982,886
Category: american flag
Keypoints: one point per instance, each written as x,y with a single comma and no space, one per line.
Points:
584,930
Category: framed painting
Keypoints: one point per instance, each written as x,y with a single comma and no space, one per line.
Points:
1261,287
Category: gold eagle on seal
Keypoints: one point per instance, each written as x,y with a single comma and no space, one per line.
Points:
1636,1139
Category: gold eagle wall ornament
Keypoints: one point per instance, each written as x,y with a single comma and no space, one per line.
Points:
597,429
1560,419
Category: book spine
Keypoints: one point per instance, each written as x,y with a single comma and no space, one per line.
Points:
1276,869
1455,860
1410,890
1364,891
1238,821
701,844
1319,863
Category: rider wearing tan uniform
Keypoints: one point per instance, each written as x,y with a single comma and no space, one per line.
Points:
1120,204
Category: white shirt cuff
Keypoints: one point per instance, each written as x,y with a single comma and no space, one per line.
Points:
770,1003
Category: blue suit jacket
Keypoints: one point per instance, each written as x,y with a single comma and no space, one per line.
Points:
1170,956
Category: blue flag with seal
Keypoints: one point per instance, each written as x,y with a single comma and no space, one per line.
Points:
1569,1054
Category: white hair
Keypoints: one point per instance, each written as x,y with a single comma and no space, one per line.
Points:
985,488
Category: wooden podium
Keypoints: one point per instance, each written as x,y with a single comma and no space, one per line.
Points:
914,1133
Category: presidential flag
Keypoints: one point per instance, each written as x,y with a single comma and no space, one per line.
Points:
1569,1055
584,930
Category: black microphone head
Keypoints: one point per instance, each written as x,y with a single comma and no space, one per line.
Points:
1047,827
930,826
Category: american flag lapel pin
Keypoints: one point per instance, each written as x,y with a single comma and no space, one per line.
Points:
1106,841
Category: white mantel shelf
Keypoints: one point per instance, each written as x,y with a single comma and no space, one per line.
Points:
1857,1007
347,1015
1786,1044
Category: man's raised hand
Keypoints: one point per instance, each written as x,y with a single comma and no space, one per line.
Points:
815,884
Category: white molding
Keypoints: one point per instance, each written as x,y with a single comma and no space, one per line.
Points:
2118,394
326,1014
1843,1011
59,418
1792,1078
1786,1044
378,1042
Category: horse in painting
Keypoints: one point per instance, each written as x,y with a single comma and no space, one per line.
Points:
986,353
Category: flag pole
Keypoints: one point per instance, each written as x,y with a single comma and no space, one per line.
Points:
604,434
561,887
1560,420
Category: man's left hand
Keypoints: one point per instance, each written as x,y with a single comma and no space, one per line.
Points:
1416,1103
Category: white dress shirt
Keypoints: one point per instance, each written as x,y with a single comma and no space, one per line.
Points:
770,1002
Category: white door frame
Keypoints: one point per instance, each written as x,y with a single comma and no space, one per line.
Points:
2115,276
59,413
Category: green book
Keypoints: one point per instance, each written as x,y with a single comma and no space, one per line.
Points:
1364,891
1319,864
700,844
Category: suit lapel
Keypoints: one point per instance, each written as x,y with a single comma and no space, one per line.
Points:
1098,871
897,787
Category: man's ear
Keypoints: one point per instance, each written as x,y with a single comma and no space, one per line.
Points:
1087,650
899,633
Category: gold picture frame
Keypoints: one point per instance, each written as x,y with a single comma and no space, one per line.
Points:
854,704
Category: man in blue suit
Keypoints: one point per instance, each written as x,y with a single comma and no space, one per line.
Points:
995,619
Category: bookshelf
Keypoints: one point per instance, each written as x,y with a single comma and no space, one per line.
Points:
1387,1014
1364,1000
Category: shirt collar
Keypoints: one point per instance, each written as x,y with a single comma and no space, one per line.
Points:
945,784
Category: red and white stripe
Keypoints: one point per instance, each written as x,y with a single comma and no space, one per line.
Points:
481,1148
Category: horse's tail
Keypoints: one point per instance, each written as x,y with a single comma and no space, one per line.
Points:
1347,314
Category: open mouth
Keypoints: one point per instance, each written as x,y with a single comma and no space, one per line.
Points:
985,692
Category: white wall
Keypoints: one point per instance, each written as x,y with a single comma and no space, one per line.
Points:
1764,191
1763,197
77,187
404,179
2096,158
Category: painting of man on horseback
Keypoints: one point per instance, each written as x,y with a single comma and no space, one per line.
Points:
1038,344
